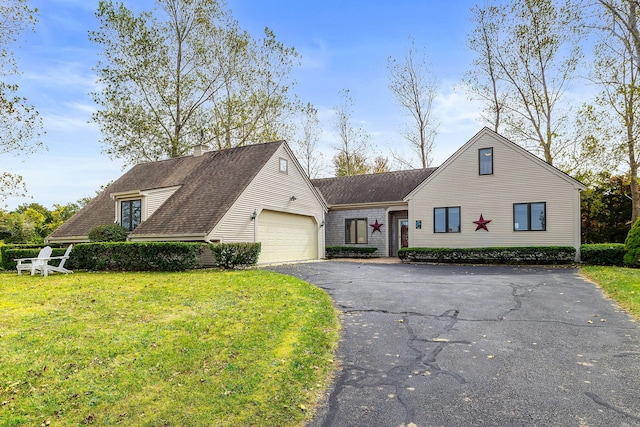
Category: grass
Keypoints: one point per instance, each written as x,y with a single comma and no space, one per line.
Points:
621,284
163,349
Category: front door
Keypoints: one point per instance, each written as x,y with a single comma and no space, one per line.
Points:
404,232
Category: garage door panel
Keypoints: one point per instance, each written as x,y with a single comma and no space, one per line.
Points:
286,237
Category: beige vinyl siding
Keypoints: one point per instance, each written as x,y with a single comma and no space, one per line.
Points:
516,178
271,190
155,198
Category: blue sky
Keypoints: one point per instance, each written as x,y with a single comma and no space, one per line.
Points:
344,45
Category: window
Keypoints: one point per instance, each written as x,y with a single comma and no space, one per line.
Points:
130,214
355,231
485,160
284,165
446,220
530,216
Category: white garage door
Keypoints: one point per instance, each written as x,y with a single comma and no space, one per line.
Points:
287,237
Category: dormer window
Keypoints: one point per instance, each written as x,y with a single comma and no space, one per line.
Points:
130,213
485,160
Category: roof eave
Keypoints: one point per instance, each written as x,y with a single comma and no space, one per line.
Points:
190,237
367,205
67,239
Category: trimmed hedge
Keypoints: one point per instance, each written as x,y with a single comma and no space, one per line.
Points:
507,255
350,252
603,254
10,253
108,233
232,255
136,256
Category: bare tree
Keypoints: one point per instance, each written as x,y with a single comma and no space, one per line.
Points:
415,89
484,81
530,48
306,144
19,121
351,158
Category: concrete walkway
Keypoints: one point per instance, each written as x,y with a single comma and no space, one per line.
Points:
434,345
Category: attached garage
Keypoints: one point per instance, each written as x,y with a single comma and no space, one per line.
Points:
286,237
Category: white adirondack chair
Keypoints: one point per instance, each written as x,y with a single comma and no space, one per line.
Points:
31,264
47,268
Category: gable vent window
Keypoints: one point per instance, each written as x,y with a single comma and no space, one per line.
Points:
284,166
485,159
130,214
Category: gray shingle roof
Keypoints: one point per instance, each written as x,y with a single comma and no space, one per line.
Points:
210,184
372,188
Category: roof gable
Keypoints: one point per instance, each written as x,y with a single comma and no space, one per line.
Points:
209,191
499,139
371,188
209,184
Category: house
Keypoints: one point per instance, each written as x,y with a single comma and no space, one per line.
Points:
246,194
491,192
370,210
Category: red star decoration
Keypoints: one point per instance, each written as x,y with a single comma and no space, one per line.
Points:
482,223
376,226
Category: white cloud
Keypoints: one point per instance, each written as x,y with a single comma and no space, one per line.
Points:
63,74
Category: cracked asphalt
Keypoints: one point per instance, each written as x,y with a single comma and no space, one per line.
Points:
441,345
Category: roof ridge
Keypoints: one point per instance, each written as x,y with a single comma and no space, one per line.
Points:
377,173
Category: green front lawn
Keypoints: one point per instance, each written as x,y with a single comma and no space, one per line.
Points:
621,284
163,349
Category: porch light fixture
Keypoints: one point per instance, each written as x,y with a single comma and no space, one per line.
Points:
254,215
292,199
322,224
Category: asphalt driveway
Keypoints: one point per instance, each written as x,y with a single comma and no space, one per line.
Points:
430,345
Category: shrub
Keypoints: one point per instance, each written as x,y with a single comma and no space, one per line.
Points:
349,252
108,233
506,255
632,246
603,254
232,255
136,256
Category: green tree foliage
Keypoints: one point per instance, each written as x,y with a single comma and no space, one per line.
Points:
611,122
606,209
380,165
31,223
19,228
632,246
186,74
527,54
355,164
19,121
